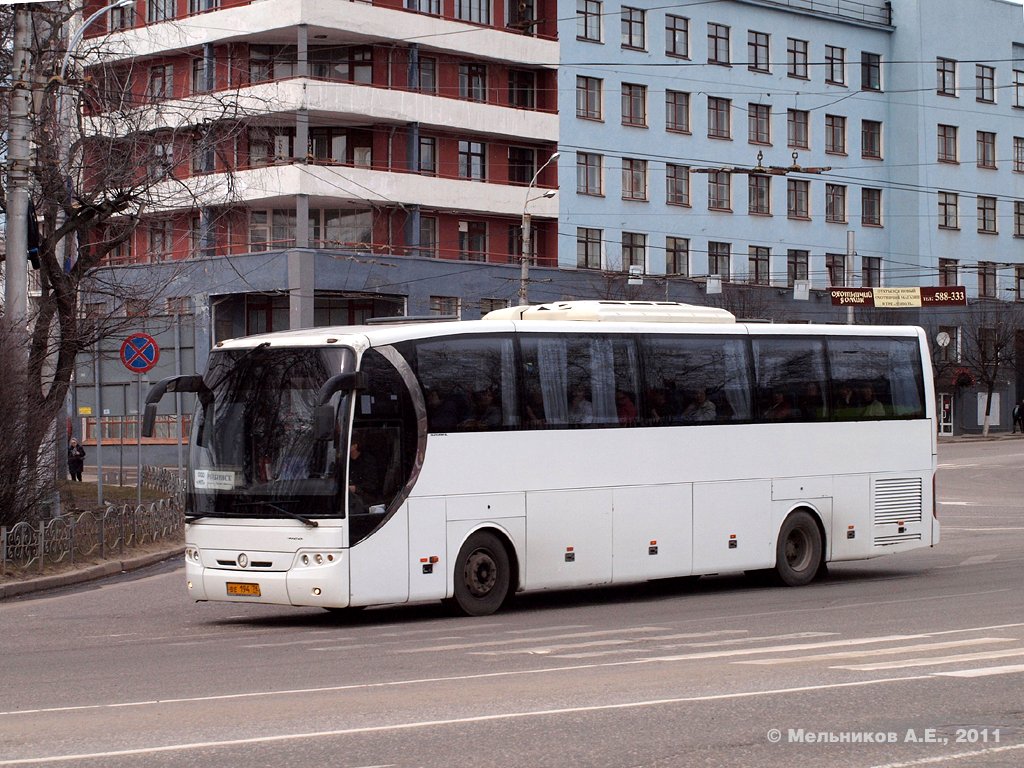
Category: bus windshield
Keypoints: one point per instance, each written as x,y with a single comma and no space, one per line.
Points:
254,453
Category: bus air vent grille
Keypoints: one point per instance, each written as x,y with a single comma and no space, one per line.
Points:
896,538
898,500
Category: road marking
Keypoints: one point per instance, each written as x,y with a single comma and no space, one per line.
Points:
992,529
927,662
285,737
979,559
879,651
511,641
948,758
716,644
984,672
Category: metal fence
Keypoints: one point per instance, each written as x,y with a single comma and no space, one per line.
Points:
29,547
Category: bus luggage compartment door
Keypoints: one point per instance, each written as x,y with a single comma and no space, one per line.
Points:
568,538
732,526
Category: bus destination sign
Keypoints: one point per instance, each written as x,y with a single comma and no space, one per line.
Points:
900,297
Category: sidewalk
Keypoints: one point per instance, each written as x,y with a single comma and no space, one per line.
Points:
85,573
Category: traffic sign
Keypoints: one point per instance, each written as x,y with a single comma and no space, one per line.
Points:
140,352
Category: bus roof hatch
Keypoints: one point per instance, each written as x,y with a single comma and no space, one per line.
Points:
616,311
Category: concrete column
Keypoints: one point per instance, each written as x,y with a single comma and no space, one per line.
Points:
301,276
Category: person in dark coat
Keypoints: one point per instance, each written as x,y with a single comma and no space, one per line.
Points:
76,460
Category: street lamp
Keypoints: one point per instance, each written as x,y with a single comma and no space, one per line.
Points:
77,37
524,258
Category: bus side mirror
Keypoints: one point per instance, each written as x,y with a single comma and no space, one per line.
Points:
192,383
323,422
343,382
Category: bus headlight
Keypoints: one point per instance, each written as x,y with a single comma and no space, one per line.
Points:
192,554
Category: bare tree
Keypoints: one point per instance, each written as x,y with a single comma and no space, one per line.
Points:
108,153
988,336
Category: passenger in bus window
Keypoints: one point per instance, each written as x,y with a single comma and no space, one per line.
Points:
812,406
847,406
778,409
535,409
657,407
625,408
442,413
873,408
581,410
700,408
486,413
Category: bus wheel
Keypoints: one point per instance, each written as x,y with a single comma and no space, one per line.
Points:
482,575
798,553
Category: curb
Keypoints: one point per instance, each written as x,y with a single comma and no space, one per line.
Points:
90,573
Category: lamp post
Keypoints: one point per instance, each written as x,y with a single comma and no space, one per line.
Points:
524,259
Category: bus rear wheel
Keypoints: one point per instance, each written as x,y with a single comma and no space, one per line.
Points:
798,552
482,575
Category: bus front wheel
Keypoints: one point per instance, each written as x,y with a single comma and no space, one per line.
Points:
482,575
798,552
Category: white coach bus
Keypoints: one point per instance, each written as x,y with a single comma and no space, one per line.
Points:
550,447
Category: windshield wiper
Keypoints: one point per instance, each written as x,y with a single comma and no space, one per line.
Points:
278,508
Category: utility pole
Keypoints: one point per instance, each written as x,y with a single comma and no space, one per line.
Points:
19,160
851,250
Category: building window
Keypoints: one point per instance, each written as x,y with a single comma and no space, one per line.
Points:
160,10
522,88
588,20
871,139
871,271
473,240
1018,283
1018,88
720,191
987,279
951,352
490,305
677,111
200,82
634,179
835,134
871,207
835,265
986,214
1018,221
634,33
798,129
986,149
445,306
948,272
758,260
677,256
677,184
759,188
759,122
161,240
428,156
718,44
870,72
522,164
796,58
431,7
634,250
757,52
796,266
473,160
718,118
985,83
476,11
835,65
798,199
677,36
588,98
949,210
161,82
719,256
947,144
473,82
589,173
428,236
835,203
945,70
588,248
122,18
425,75
161,159
634,105
1018,153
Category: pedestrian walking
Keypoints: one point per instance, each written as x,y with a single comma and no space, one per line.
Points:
76,460
1018,417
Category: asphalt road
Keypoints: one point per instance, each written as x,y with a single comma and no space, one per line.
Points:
915,659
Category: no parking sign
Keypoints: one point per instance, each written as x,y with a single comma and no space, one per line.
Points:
140,352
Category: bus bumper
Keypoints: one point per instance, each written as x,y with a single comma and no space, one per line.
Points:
310,581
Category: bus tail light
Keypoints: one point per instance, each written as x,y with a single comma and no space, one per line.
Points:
935,499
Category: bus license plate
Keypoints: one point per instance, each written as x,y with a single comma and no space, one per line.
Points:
249,590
